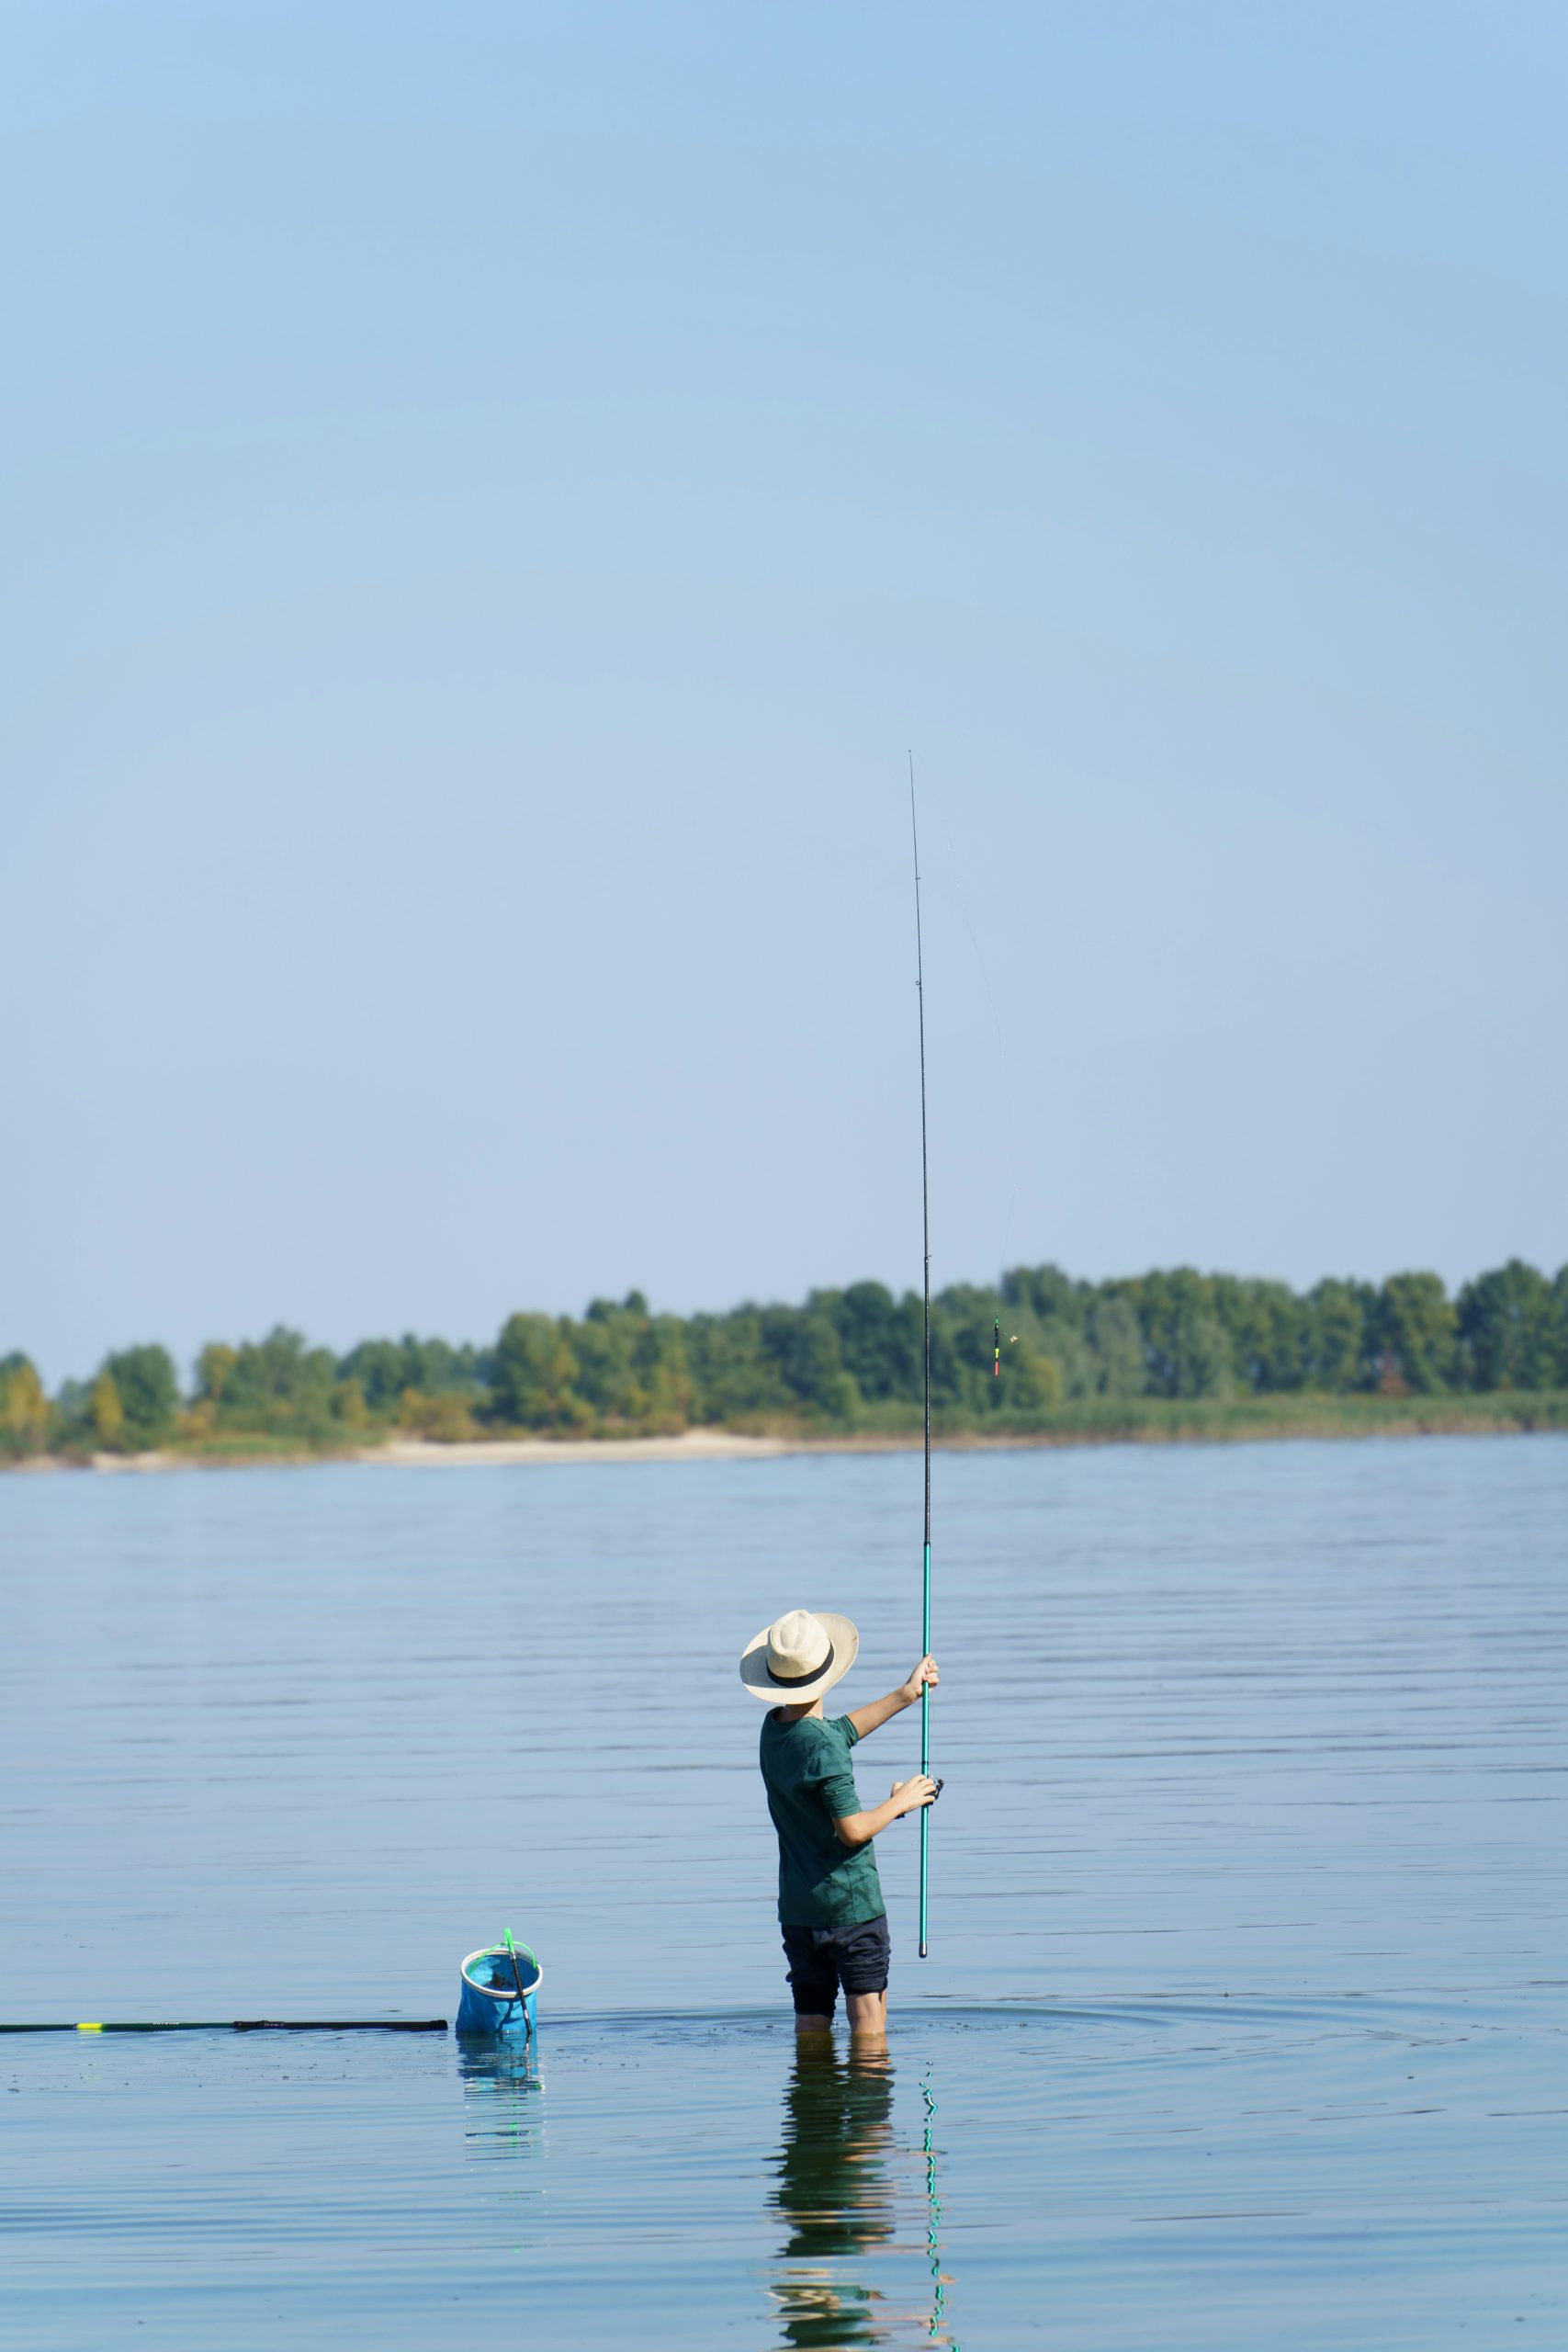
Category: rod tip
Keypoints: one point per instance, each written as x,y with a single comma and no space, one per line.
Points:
923,1951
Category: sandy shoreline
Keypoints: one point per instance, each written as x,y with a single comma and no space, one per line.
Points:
690,1445
726,1446
418,1453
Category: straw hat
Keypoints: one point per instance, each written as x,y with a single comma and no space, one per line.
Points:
792,1661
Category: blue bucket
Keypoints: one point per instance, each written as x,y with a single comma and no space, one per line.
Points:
490,2003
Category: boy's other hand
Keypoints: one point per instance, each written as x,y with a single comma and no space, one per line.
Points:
924,1675
910,1795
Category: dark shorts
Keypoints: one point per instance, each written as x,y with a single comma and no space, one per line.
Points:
821,1959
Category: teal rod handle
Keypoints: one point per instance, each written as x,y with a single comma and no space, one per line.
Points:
925,1744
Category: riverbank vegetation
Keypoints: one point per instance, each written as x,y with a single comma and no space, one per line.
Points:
1162,1355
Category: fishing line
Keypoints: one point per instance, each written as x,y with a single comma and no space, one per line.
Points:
1003,1072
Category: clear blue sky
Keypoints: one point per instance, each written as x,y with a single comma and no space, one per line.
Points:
494,493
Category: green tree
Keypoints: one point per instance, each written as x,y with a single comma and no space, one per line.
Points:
348,1404
1188,1348
631,1365
1041,1313
446,1419
213,1367
1557,1326
149,1395
1338,1337
663,1371
1417,1329
1118,1355
1203,1362
385,1368
879,1340
106,1413
24,1409
277,1385
1045,1292
1053,1340
805,1346
604,1348
1030,1383
734,1376
379,1370
1263,1323
532,1376
960,1356
1505,1335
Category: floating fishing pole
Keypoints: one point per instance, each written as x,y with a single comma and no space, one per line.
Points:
926,1243
248,2025
522,1990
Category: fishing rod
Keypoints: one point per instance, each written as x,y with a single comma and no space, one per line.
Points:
247,2025
926,1243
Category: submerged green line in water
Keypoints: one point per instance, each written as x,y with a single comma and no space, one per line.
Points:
242,2024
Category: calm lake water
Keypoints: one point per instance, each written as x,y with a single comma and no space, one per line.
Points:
1245,2021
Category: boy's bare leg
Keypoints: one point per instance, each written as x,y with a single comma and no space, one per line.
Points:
868,2015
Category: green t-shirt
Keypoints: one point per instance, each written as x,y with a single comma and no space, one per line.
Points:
811,1784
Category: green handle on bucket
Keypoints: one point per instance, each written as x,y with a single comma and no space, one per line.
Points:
512,1956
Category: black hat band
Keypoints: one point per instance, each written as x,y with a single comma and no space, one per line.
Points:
793,1681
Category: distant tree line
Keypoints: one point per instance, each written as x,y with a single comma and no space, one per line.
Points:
846,1360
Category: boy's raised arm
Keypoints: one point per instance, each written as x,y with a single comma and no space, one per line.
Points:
880,1710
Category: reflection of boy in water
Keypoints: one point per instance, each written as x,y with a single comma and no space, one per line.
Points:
834,2192
830,1907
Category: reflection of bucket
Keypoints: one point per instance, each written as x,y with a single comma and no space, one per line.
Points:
490,2003
504,2112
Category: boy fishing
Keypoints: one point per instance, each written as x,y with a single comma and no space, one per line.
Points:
830,1907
